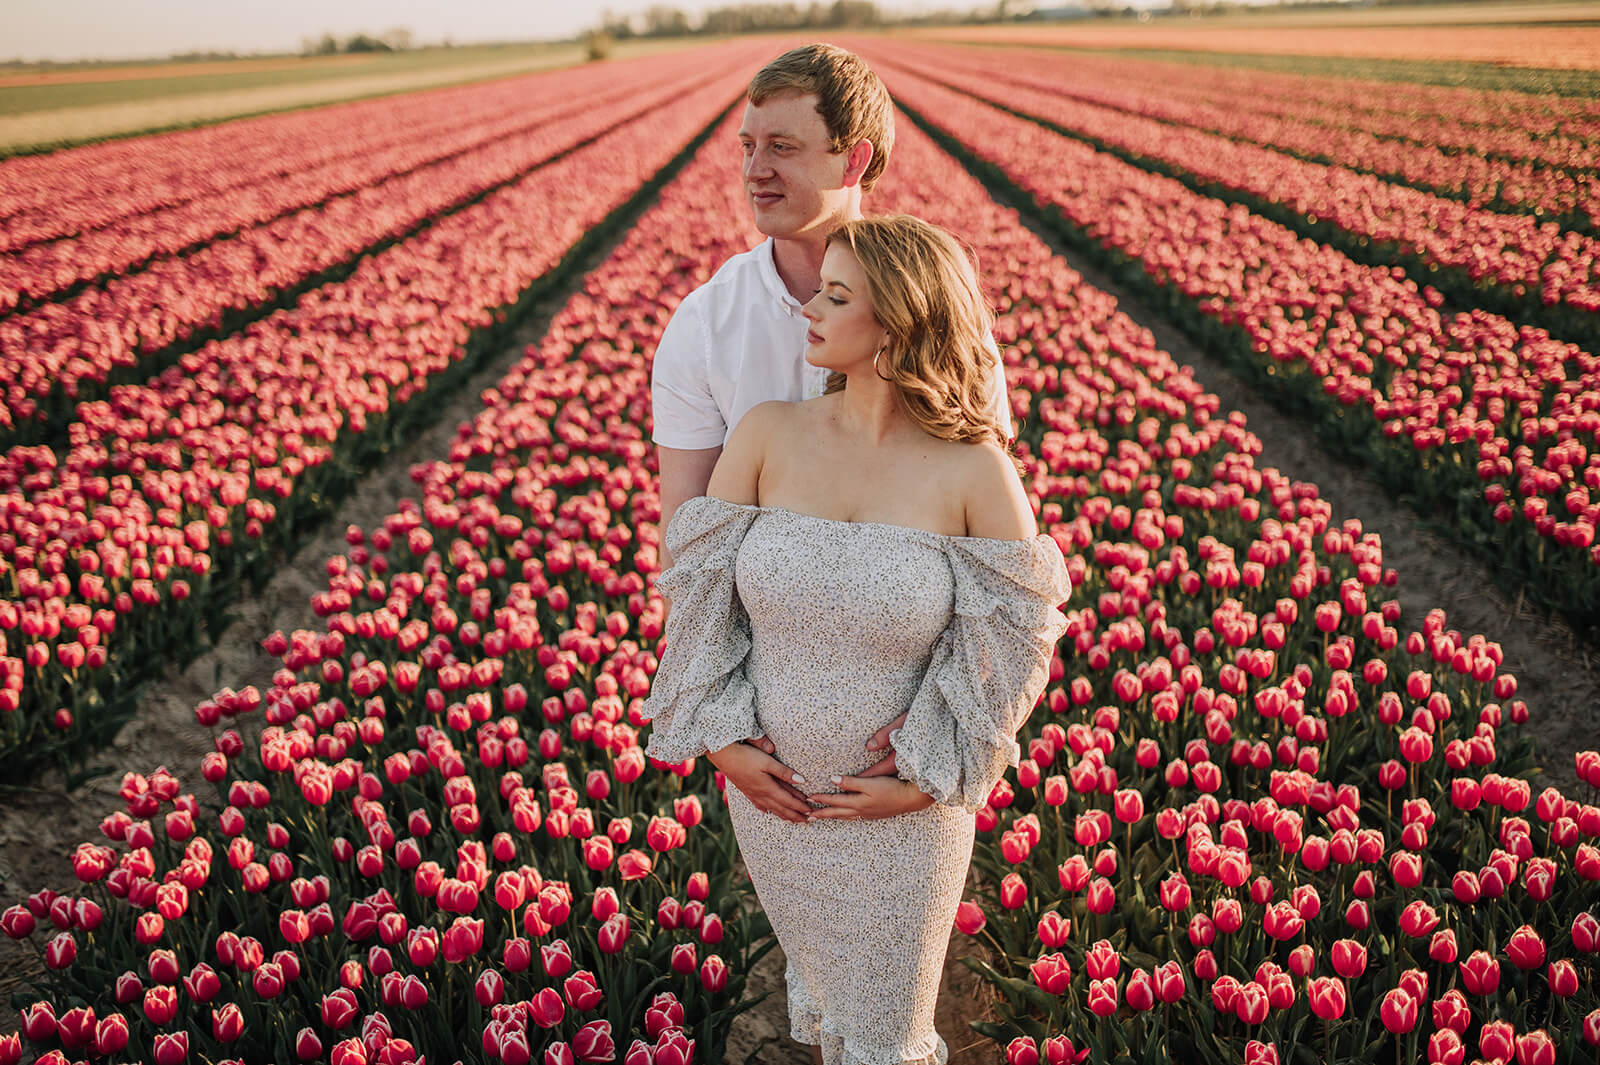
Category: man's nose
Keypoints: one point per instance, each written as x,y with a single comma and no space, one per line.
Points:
758,164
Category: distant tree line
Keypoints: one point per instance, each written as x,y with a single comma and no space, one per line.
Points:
395,40
664,20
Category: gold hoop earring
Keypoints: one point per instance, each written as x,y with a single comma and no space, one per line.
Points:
875,369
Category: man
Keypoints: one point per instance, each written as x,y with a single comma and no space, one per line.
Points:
818,128
817,132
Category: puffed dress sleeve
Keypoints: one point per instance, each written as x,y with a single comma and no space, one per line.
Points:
700,699
987,669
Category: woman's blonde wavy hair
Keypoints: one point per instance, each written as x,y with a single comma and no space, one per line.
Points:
925,294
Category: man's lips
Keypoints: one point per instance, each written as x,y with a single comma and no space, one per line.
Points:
766,199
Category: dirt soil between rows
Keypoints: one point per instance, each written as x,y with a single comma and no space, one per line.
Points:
41,823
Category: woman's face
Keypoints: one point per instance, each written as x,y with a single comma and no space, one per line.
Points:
844,333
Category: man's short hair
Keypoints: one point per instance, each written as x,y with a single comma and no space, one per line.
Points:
851,99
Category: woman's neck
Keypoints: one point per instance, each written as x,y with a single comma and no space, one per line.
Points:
869,409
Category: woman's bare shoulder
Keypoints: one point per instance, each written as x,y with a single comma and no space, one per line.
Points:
992,494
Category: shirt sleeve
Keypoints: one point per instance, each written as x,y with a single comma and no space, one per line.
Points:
700,698
987,670
684,411
1002,398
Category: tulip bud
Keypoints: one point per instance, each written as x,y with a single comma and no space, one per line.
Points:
307,1047
714,974
1022,1051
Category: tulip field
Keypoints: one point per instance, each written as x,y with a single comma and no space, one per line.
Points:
1264,815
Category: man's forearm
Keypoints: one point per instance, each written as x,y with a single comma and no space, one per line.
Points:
684,475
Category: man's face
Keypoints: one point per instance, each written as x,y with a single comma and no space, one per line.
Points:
795,183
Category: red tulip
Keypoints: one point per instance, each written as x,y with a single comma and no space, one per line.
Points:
556,957
307,1047
714,974
1586,932
60,951
1563,978
1140,992
1445,1048
634,865
1418,919
1398,1011
673,1048
1251,1005
1022,1051
1327,997
1259,1053
160,1005
1480,973
1536,1048
1101,897
490,988
202,984
171,1048
1170,983
546,1008
1103,997
227,1023
1013,892
1525,948
580,991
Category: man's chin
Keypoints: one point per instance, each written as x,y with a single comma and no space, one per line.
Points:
770,224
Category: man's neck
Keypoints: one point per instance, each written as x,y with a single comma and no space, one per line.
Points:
799,263
799,258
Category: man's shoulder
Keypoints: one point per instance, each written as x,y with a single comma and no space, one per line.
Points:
737,282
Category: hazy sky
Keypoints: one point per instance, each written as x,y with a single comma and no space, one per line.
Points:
72,29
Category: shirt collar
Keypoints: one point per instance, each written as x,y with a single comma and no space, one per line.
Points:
769,277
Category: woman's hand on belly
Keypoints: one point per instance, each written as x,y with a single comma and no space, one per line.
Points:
765,781
880,740
864,798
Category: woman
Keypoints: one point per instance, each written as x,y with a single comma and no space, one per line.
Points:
863,556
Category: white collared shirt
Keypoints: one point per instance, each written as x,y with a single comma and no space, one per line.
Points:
736,341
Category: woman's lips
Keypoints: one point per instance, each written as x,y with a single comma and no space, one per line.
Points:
812,337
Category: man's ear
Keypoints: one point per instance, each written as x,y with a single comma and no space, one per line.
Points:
856,161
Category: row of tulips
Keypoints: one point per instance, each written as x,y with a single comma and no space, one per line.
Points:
1241,678
61,355
70,192
1464,413
444,841
1243,781
119,548
1529,155
50,269
1513,264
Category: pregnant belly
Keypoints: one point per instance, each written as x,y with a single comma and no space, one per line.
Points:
818,740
